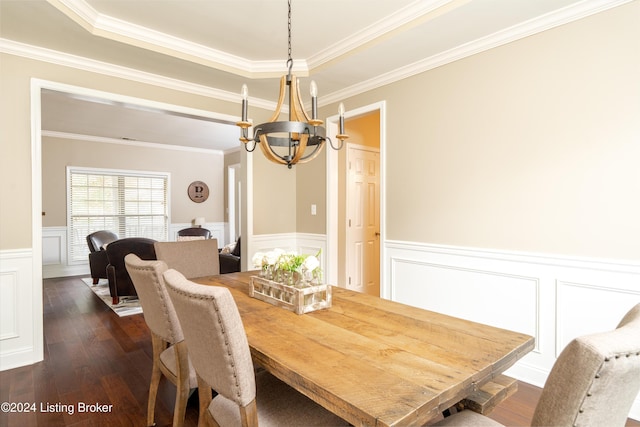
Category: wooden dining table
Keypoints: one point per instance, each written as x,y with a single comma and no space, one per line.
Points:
372,361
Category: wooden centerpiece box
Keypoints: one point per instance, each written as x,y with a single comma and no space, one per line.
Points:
297,298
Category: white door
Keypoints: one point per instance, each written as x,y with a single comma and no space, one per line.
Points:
363,220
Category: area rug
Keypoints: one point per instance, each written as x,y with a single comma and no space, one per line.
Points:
127,306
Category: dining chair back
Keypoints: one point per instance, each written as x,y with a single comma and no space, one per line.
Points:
169,350
219,349
191,232
593,382
195,258
595,379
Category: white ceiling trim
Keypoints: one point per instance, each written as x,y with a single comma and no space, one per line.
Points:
119,30
413,13
129,142
81,63
516,32
136,35
566,15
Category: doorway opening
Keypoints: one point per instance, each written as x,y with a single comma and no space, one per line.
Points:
357,262
40,88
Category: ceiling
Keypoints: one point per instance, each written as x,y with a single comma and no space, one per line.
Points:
346,46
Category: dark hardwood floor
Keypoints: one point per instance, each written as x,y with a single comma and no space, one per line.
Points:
95,357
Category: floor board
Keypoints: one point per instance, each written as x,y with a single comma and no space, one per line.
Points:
94,356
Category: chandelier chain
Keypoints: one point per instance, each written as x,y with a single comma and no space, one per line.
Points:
289,60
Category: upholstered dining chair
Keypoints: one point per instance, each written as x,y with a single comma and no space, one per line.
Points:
191,232
593,382
194,258
169,350
219,350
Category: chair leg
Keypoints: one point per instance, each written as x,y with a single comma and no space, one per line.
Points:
182,384
182,395
204,399
95,280
158,346
115,300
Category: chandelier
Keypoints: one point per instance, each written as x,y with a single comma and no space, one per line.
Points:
286,142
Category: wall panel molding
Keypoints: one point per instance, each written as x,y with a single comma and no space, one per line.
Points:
551,297
19,344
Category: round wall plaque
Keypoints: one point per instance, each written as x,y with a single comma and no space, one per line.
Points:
198,191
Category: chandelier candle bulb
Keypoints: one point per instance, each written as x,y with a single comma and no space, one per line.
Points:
244,124
244,92
341,114
314,100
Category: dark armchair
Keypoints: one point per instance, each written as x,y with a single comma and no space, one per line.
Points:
120,283
97,255
230,263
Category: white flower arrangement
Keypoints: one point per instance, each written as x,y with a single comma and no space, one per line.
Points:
277,263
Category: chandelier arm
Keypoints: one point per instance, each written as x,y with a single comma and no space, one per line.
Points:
331,144
246,146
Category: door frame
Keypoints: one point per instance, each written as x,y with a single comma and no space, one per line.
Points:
36,87
232,194
331,269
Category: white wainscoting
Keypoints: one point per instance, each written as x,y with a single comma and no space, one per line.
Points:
54,249
551,298
303,243
54,255
219,231
20,310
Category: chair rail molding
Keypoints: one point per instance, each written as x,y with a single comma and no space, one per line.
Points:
550,297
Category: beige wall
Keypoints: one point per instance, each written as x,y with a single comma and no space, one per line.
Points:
310,190
15,134
274,196
183,167
533,146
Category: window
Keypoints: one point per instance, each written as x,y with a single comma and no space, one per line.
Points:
131,204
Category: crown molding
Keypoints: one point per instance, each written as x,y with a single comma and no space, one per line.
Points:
546,22
119,30
130,143
81,63
568,14
412,14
